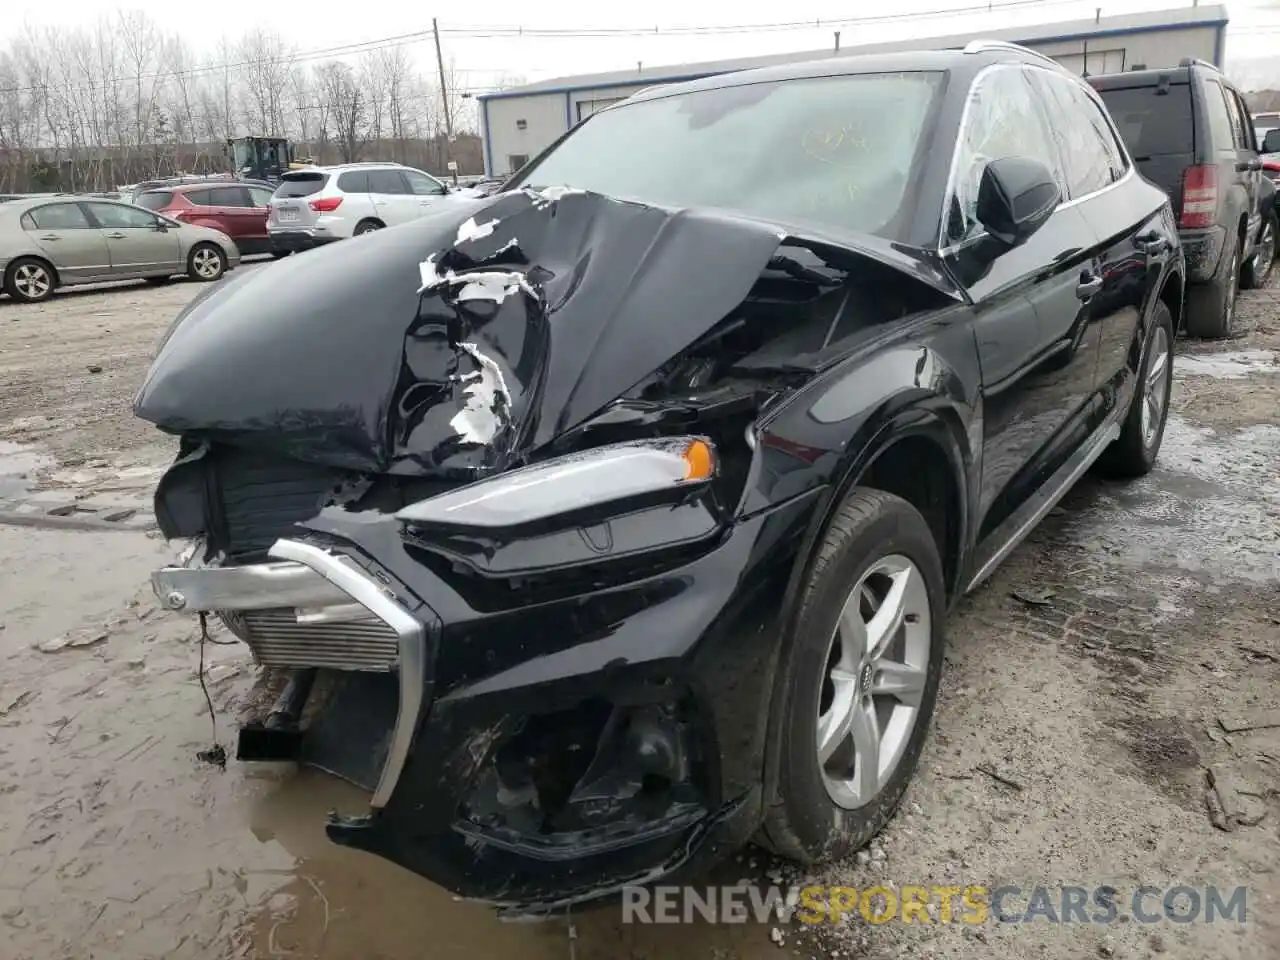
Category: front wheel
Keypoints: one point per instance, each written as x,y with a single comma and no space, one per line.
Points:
1258,270
206,263
862,671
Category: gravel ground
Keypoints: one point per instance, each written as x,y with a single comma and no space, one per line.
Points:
1081,714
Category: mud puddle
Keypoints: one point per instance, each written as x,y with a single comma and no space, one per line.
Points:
124,846
1211,506
17,465
1228,366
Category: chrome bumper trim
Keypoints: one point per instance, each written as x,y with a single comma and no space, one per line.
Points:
262,586
322,587
412,639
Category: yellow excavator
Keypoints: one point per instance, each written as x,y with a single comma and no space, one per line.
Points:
263,158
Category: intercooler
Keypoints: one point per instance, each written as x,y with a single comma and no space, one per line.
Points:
278,639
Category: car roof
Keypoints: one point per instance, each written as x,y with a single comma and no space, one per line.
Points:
976,56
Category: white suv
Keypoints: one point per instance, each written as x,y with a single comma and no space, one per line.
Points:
322,204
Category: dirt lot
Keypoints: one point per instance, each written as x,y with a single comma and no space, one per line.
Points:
1084,705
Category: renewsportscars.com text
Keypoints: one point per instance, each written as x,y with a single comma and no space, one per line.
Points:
935,903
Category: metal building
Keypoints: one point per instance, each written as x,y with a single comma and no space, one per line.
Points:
518,123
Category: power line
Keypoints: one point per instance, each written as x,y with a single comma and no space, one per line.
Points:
480,32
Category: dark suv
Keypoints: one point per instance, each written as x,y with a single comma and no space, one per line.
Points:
1190,134
627,516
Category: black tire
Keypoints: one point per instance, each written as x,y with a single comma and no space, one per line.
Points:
30,280
157,281
1258,270
1134,452
1211,307
803,822
206,263
366,226
280,254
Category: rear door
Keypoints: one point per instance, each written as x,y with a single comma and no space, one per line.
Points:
1134,234
239,219
1156,122
289,208
1237,191
1248,164
139,243
69,239
1036,345
392,201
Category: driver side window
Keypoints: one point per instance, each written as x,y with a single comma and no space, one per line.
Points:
1003,120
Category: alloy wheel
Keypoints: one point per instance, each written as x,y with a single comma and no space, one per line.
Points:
1265,255
874,680
206,262
32,281
1233,292
1155,388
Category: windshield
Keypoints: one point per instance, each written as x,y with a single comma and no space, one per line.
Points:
242,154
839,151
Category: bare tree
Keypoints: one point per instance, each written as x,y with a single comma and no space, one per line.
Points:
340,89
266,73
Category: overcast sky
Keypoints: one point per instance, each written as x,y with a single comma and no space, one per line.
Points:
755,28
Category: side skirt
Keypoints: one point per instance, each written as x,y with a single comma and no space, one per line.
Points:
1014,530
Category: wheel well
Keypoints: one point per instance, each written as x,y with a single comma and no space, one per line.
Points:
919,471
57,280
1243,229
363,220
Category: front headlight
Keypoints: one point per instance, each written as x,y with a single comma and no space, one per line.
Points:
616,475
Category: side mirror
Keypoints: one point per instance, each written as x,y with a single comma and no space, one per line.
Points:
1015,198
1271,142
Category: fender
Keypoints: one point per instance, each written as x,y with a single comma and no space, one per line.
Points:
946,418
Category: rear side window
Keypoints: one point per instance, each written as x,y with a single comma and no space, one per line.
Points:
155,201
1219,116
59,216
199,198
229,197
301,186
354,181
386,181
1151,123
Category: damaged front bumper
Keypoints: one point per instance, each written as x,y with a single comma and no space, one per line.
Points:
314,586
541,755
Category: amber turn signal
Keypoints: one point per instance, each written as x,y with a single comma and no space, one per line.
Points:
700,461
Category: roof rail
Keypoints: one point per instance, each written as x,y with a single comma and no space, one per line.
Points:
1197,62
983,46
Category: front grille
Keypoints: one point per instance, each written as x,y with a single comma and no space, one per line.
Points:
278,640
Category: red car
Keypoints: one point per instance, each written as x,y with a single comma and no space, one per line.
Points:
239,210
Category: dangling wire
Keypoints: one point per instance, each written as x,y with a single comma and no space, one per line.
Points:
215,754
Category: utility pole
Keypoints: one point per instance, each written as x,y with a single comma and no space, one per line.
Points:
444,99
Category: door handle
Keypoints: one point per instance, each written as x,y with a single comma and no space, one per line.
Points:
1090,283
115,236
51,238
379,203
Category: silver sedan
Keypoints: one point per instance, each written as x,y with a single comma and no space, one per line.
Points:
48,242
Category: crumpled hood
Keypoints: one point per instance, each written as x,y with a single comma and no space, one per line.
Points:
454,344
